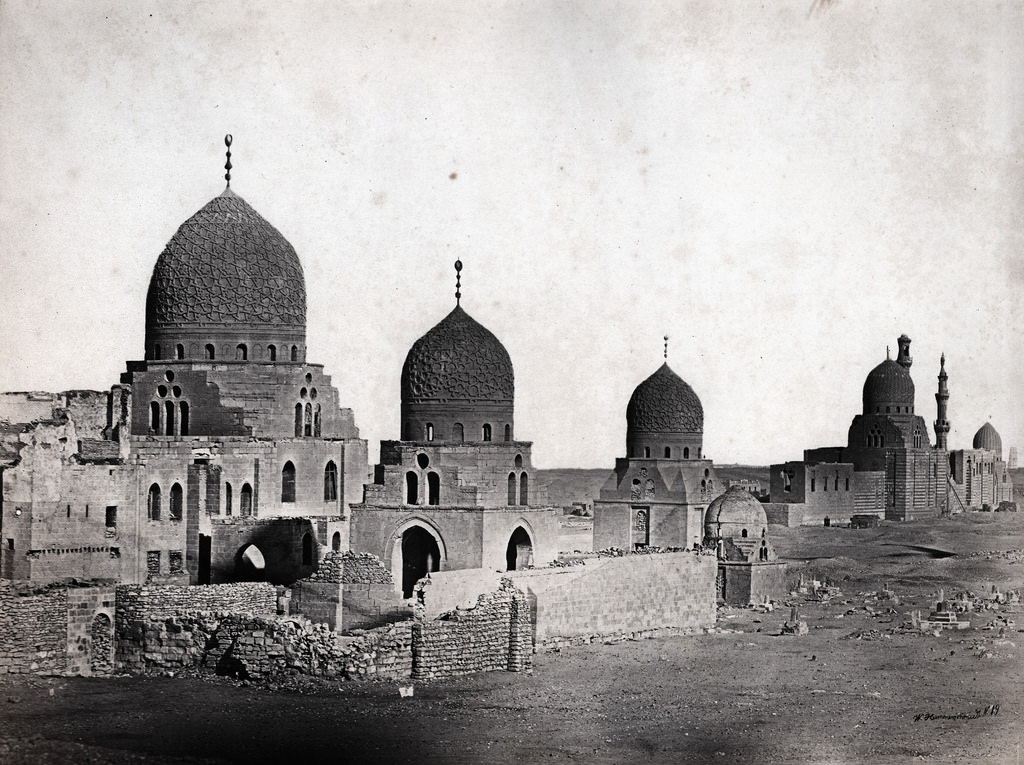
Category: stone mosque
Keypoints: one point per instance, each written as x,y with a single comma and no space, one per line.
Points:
225,455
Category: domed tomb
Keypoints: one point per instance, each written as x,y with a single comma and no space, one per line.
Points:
988,438
735,514
888,388
457,384
228,286
664,418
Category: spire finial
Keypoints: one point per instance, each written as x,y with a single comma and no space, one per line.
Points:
887,357
458,282
942,360
666,348
227,165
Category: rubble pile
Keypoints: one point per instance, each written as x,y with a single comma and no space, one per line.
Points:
351,568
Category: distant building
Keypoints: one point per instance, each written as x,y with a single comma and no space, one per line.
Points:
1011,461
747,484
979,477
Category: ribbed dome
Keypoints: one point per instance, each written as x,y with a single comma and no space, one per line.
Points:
988,438
226,266
459,360
664,403
888,385
732,512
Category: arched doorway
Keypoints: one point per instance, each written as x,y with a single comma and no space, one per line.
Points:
420,554
519,553
250,565
336,541
102,639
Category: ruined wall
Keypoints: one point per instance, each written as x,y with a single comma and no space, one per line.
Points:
783,513
495,634
624,594
349,591
33,629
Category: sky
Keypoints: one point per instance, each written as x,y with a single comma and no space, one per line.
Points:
782,190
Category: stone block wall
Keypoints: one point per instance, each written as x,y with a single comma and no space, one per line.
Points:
784,513
90,630
495,634
632,593
33,629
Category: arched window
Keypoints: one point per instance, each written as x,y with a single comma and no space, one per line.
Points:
298,420
847,484
511,488
156,352
458,433
245,501
412,488
316,421
330,482
487,431
227,498
336,541
154,416
295,353
812,484
210,352
241,352
430,431
508,432
518,461
153,503
686,452
183,414
169,412
272,352
307,422
647,452
288,482
307,549
524,489
743,533
433,488
177,496
179,351
668,452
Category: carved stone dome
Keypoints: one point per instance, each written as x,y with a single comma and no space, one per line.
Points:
988,438
889,389
665,403
457,379
226,276
732,513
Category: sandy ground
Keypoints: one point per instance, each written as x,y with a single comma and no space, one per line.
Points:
857,688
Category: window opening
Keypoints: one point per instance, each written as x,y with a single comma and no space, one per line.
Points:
245,500
288,482
336,541
668,452
316,421
241,352
227,498
183,415
111,517
175,509
508,432
433,488
330,482
272,352
430,431
295,353
154,416
487,432
458,433
411,488
511,488
307,549
307,427
524,489
169,415
179,351
210,352
298,420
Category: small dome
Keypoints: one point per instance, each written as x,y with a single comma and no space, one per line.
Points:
888,385
664,403
734,512
459,360
226,267
988,438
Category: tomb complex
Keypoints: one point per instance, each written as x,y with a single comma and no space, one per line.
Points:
979,478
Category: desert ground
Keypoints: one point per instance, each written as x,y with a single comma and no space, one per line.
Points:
857,688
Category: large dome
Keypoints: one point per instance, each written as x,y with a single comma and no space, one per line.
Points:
988,438
226,273
889,389
664,403
458,360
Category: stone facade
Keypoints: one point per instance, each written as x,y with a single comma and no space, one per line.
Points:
979,476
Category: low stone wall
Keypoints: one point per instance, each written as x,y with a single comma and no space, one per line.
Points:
445,591
33,629
494,634
349,591
616,595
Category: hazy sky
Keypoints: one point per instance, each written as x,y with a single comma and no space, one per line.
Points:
783,190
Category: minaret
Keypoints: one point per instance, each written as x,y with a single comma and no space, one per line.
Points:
904,359
941,398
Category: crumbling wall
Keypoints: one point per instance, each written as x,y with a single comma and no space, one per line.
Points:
349,591
494,634
33,629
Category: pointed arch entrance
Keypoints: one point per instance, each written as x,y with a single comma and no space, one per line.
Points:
519,553
416,549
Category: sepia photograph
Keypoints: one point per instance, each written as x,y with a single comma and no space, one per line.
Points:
568,381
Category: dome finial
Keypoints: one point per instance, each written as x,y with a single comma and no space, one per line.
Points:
227,165
666,348
887,356
458,282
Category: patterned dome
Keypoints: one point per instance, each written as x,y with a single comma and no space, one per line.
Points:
664,403
988,438
888,385
458,360
227,266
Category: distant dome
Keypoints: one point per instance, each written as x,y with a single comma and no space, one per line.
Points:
888,389
664,403
734,512
988,438
458,360
226,271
